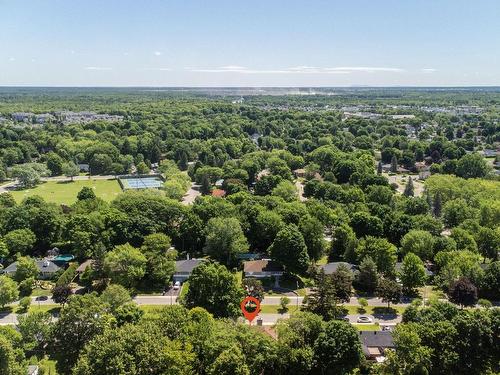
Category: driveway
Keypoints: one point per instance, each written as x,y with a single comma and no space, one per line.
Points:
192,193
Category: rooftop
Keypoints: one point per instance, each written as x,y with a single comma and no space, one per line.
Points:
44,266
263,265
330,268
187,265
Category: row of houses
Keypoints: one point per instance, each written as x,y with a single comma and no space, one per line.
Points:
66,117
48,266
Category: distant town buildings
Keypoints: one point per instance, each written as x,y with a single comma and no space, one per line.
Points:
66,117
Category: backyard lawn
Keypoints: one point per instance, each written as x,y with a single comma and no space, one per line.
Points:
65,192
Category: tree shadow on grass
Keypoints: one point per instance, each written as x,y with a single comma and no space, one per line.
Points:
6,310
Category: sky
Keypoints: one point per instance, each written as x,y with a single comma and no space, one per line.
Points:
249,43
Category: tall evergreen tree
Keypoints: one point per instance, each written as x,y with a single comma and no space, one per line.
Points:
205,185
323,300
438,205
409,189
394,164
367,278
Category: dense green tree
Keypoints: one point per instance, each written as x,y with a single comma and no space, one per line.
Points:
82,319
412,273
214,288
160,257
286,190
134,350
70,169
472,166
491,281
410,357
437,205
35,328
68,275
61,294
230,361
380,250
8,290
367,278
225,239
418,242
389,291
475,346
115,296
312,231
54,164
4,250
26,268
337,349
86,193
128,313
20,241
125,265
366,225
26,175
289,249
343,244
457,211
464,240
394,164
488,242
12,360
264,228
323,299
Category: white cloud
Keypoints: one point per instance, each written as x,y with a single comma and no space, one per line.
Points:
157,53
12,59
96,68
295,70
160,69
366,69
428,70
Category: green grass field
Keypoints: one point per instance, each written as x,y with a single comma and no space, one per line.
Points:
65,192
367,327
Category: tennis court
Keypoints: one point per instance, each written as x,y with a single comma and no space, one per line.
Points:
141,183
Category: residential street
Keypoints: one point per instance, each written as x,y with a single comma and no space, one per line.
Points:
169,300
268,319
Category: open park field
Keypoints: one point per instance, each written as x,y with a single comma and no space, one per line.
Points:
65,192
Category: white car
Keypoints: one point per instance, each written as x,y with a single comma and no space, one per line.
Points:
365,319
177,285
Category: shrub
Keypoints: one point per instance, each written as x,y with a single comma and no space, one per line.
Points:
24,304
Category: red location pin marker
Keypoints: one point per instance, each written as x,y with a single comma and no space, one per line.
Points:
250,315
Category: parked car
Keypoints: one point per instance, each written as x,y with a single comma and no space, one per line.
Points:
365,319
177,285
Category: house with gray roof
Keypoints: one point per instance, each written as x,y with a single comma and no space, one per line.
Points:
184,268
47,269
330,268
375,344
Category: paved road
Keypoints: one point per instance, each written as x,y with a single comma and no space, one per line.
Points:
267,319
192,193
168,299
300,190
